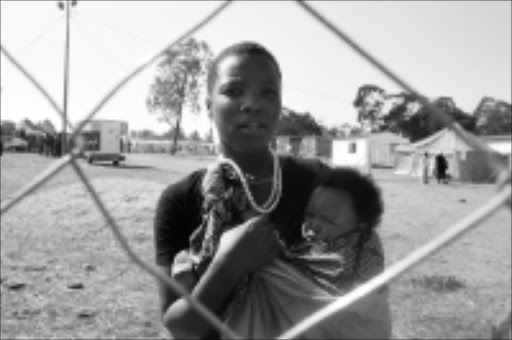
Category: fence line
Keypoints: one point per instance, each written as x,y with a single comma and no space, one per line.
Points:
387,276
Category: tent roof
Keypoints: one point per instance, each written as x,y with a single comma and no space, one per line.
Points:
445,140
497,138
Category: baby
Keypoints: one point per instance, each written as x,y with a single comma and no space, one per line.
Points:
340,250
341,247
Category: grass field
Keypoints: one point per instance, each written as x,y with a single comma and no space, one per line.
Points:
64,276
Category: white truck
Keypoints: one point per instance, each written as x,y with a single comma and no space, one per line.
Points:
104,141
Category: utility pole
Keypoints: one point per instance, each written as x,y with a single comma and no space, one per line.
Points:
65,6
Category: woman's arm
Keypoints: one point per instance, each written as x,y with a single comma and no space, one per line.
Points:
213,290
241,250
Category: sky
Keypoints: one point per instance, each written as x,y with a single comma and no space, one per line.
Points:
460,49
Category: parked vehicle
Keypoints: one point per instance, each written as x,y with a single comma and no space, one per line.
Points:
15,144
103,141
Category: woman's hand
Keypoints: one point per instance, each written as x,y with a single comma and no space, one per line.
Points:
249,246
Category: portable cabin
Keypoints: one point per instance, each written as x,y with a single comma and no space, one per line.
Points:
103,141
373,150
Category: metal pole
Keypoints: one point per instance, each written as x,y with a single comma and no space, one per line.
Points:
66,82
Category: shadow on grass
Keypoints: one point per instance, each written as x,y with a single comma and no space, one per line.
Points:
438,283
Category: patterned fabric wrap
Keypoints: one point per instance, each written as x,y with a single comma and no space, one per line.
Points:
225,205
303,279
341,264
280,296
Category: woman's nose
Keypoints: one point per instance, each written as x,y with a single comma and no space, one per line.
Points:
250,104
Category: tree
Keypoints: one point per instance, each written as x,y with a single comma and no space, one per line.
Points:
425,122
144,134
171,134
194,136
47,126
293,123
493,117
177,83
334,132
209,136
8,128
402,107
369,102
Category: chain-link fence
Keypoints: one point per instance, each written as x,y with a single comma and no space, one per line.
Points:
393,272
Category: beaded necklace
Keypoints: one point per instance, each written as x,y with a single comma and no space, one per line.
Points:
275,194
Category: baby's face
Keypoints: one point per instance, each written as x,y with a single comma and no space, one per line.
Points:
329,213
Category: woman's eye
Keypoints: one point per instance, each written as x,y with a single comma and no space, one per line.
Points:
232,91
270,92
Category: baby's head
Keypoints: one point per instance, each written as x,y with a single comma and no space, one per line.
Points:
343,200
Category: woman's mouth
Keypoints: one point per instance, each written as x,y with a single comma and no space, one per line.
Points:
253,128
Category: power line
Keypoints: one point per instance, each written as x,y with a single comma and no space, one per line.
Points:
319,94
147,40
41,34
96,44
119,30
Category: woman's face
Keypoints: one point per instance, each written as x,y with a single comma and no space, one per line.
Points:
245,102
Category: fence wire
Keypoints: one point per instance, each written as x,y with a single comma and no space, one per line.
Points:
503,196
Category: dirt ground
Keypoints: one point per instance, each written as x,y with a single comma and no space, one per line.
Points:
64,276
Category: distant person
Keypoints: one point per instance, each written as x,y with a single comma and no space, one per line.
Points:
441,165
425,165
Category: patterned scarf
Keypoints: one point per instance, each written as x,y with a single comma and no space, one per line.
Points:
339,265
225,206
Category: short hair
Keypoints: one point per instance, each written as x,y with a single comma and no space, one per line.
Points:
238,49
365,194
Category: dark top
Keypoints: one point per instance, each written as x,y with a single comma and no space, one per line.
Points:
441,162
178,211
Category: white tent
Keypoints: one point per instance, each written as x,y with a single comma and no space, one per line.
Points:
465,163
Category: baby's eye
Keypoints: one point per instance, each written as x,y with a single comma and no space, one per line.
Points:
309,216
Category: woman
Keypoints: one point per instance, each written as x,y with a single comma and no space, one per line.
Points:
244,100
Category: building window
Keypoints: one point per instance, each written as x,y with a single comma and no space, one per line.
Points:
352,147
